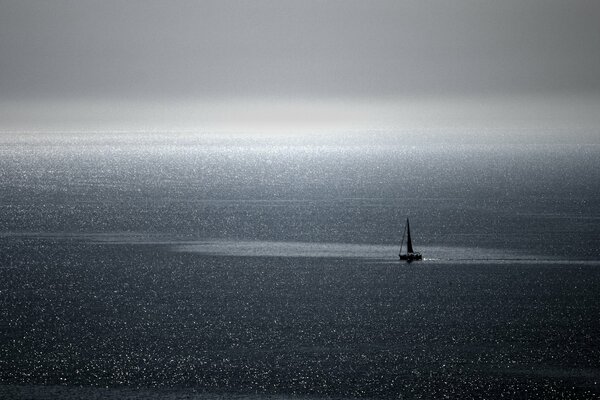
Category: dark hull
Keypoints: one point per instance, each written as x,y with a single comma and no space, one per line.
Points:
411,257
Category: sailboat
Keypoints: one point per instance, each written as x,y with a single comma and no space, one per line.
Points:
410,255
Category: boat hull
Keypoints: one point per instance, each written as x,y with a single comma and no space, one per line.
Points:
411,257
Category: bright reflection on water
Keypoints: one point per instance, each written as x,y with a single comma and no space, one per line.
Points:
379,253
267,267
538,199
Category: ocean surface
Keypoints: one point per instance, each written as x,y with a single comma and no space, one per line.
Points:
244,266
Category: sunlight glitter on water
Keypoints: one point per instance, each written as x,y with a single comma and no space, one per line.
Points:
383,253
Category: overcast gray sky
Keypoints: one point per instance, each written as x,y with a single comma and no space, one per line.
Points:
215,53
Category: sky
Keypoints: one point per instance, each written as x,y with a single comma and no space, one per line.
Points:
300,64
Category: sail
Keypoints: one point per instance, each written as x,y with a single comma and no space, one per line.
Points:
402,241
409,248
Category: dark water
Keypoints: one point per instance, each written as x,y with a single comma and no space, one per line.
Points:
240,266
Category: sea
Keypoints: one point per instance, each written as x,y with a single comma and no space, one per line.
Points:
140,265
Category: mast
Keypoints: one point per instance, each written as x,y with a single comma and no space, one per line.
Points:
409,248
